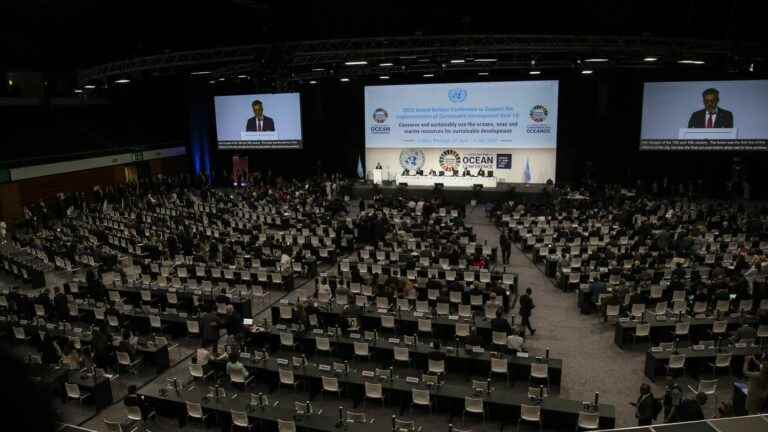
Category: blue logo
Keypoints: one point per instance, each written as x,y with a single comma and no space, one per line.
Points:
412,159
457,95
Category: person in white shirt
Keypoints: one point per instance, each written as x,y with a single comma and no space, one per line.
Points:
285,262
203,355
515,341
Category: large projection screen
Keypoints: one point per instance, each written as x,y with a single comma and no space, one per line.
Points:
705,116
258,121
509,128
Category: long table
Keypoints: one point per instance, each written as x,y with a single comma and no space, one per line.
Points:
695,359
443,327
501,403
170,403
240,304
663,329
448,181
457,361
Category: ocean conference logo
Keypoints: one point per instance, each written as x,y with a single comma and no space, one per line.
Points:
538,116
449,160
539,113
457,95
380,116
412,160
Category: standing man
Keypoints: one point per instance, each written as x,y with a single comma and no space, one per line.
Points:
506,247
259,122
712,116
645,406
526,307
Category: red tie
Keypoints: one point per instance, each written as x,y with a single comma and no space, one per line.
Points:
709,120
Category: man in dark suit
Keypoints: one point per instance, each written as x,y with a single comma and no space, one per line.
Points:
711,116
500,324
259,122
526,307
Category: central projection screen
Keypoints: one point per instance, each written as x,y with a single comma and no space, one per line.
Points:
509,128
258,121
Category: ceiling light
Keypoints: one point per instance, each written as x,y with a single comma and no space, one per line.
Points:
313,82
485,60
534,72
90,86
650,59
212,82
200,73
385,64
318,69
243,76
356,63
424,60
123,81
222,79
344,79
586,71
407,57
78,91
384,77
482,73
696,62
751,67
10,83
596,60
428,75
457,61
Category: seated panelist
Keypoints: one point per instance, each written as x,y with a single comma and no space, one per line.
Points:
406,172
481,173
420,172
432,172
466,173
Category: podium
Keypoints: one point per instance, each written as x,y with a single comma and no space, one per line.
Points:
259,136
707,133
377,176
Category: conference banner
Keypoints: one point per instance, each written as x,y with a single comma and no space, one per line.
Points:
484,115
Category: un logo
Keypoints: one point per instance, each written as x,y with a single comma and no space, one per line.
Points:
457,95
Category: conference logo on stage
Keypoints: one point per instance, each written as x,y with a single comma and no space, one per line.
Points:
412,159
538,115
503,161
457,95
380,116
478,160
449,160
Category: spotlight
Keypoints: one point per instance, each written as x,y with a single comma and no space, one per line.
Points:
650,59
122,81
356,63
534,72
384,77
587,72
344,79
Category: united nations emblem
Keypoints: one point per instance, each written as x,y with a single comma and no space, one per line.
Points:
412,159
449,160
457,95
380,115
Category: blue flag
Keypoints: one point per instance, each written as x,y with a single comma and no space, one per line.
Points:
360,171
527,172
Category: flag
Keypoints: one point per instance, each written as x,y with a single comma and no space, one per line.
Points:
360,171
527,172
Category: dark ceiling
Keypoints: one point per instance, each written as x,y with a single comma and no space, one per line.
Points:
63,36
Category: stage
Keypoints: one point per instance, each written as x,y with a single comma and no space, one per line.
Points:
458,194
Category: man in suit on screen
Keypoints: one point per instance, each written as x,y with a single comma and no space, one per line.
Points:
712,116
259,122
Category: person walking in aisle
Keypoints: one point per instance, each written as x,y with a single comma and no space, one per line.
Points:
526,308
506,247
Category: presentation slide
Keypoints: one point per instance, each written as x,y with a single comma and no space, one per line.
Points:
258,121
705,115
486,115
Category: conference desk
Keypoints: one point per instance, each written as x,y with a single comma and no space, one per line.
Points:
443,327
448,181
171,403
184,295
696,359
662,330
140,319
458,360
501,403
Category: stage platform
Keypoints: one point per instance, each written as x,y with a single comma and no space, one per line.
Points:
458,194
